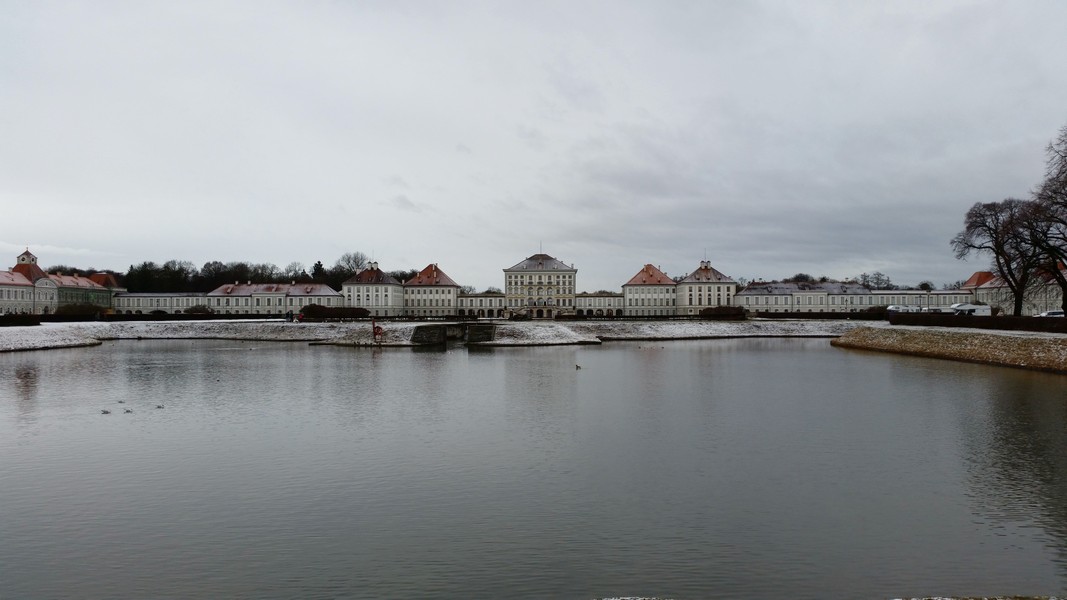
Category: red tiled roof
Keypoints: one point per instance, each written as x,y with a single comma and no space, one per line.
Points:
431,275
105,279
650,275
30,271
979,278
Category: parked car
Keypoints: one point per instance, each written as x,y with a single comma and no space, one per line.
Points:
901,309
1051,313
978,310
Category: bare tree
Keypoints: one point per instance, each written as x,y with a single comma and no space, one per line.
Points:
295,270
998,229
1053,189
1046,224
351,262
875,281
1047,220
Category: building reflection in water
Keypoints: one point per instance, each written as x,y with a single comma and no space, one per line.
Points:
1018,456
26,388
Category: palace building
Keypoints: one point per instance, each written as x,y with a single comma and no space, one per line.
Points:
431,293
378,292
26,288
541,287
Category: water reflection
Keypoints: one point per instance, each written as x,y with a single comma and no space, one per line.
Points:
26,388
733,468
1018,458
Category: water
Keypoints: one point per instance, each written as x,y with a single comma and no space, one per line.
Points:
712,469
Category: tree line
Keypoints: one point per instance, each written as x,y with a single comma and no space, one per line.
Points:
176,276
871,281
1024,238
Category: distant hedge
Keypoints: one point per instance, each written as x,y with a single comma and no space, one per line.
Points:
80,310
723,313
317,311
1046,324
14,320
876,314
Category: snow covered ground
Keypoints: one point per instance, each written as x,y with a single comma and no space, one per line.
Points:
535,333
593,332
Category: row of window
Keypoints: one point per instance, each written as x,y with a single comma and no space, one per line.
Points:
514,289
481,302
523,279
11,294
649,291
650,302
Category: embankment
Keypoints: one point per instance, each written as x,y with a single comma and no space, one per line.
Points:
1038,352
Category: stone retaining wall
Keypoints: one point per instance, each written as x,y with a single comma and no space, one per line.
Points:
1043,353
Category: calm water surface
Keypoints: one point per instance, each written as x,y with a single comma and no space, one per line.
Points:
712,469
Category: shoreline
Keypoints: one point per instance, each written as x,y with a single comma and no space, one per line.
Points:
1022,350
1046,353
399,334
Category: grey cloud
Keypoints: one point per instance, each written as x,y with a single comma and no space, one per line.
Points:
402,202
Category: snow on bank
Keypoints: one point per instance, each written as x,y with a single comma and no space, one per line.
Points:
681,330
529,333
538,333
65,335
546,333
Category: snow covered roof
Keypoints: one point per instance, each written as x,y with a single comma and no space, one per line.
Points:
706,274
431,275
13,278
649,275
74,281
372,275
542,262
160,295
792,287
285,289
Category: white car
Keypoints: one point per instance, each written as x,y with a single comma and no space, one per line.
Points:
1051,313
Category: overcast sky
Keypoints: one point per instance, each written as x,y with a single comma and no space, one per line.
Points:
774,137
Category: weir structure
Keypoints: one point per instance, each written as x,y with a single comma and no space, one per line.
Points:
435,334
